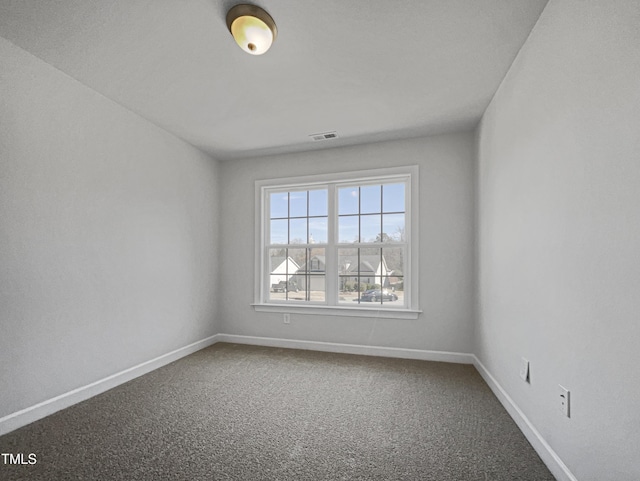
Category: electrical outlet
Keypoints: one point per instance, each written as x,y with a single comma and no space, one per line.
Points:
286,318
565,400
524,370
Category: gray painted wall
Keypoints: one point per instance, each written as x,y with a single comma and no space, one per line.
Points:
109,236
558,208
108,251
446,245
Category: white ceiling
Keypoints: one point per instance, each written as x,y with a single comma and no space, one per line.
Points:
369,69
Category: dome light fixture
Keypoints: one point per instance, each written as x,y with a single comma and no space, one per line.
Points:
252,28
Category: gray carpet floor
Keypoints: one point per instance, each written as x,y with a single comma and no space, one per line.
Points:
232,412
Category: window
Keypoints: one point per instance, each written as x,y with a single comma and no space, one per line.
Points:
339,242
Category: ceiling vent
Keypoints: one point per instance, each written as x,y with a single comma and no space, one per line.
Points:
324,136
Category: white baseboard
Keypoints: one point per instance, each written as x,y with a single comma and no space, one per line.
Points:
33,413
440,356
546,453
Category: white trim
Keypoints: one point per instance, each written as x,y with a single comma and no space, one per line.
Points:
394,352
546,453
408,173
322,310
319,179
38,411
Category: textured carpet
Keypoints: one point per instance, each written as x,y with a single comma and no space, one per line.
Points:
232,412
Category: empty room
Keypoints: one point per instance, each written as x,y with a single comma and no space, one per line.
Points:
337,240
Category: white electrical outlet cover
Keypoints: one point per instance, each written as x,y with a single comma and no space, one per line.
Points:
565,400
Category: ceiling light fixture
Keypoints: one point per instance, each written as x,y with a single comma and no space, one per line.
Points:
252,28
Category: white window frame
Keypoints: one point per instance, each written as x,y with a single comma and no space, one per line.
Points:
262,303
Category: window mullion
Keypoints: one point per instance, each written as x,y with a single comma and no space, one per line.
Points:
331,265
406,274
265,272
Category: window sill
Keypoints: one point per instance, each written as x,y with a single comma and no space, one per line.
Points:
317,310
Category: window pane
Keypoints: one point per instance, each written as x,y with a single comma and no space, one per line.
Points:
393,227
310,278
348,275
316,261
364,275
276,293
347,200
278,265
279,231
282,290
318,202
368,264
348,262
393,273
278,203
348,289
348,229
315,287
298,204
367,281
370,226
393,261
318,230
370,251
380,295
299,257
397,286
282,271
298,231
373,278
393,198
368,289
370,199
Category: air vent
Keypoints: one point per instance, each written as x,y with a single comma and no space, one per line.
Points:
324,136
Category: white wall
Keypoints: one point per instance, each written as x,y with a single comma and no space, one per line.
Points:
558,243
446,245
108,236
